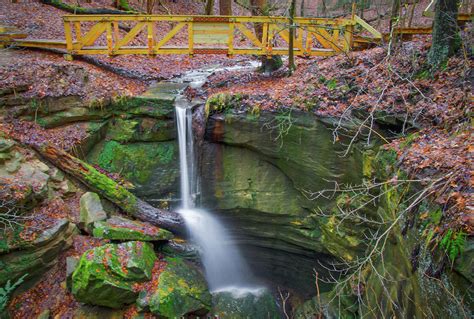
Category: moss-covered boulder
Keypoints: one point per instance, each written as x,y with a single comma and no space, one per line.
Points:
181,290
245,305
106,275
91,210
120,228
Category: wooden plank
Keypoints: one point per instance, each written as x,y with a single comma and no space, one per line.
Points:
68,36
190,38
131,34
249,34
150,36
230,43
170,35
368,27
77,26
214,27
90,37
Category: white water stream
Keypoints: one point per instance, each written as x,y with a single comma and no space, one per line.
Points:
225,268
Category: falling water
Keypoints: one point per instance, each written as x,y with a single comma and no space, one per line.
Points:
223,264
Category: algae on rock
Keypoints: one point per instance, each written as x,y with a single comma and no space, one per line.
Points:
181,290
106,275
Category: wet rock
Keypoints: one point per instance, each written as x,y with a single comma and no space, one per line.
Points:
34,257
181,290
241,304
106,275
120,228
91,210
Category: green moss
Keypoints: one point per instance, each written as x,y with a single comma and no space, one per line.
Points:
119,228
181,290
110,189
135,161
105,275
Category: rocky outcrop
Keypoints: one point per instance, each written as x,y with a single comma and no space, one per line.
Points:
140,142
106,275
181,290
36,256
120,228
261,171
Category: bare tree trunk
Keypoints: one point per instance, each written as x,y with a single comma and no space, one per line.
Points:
302,7
149,6
225,7
445,39
291,46
209,7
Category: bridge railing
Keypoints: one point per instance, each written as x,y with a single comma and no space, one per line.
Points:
231,35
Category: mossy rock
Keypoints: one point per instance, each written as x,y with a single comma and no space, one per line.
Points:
70,116
182,290
120,228
105,275
141,130
244,305
152,167
36,256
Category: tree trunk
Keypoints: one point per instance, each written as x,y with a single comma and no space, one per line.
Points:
110,189
209,7
291,45
302,7
445,38
258,8
395,13
225,7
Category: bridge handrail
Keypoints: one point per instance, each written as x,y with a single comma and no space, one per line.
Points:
204,18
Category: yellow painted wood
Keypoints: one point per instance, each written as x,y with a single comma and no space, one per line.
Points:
110,43
368,27
230,42
249,34
190,38
77,26
131,34
211,35
68,35
170,35
90,37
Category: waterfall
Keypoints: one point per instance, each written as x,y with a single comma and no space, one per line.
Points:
224,266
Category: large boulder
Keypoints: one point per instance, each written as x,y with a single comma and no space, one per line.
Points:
107,275
181,290
120,228
91,210
241,304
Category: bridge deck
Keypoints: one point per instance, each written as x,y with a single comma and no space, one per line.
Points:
231,35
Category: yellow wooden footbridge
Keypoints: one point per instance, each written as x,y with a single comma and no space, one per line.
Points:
231,35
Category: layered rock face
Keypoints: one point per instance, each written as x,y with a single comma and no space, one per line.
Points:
139,143
260,173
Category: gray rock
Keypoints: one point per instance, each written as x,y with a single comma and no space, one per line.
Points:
91,210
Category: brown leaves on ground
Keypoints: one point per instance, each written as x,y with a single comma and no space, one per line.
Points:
435,153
